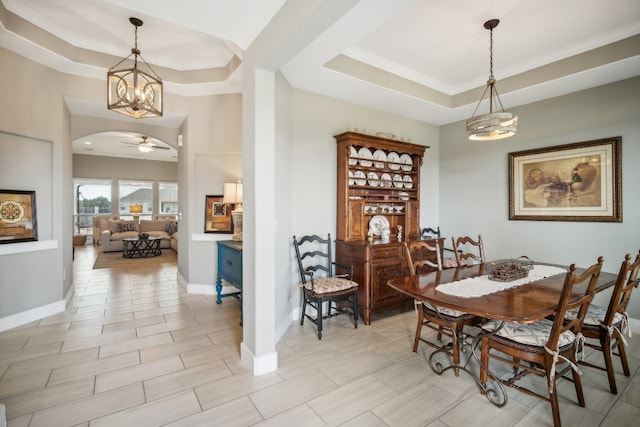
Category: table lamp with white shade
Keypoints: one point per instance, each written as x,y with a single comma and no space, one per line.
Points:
233,194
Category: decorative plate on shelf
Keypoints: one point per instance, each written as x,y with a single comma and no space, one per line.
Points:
386,180
353,156
377,223
381,157
351,180
372,179
394,159
397,181
408,182
403,195
408,163
365,157
360,178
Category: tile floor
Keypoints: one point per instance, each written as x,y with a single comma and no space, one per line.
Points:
133,349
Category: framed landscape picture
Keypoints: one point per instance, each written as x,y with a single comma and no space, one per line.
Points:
217,215
571,182
18,216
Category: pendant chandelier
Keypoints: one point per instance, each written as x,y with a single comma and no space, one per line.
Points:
132,91
496,124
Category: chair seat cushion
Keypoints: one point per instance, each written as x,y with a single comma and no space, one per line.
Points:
533,334
595,315
449,263
323,285
446,311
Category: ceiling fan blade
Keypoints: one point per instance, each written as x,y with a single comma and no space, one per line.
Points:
157,147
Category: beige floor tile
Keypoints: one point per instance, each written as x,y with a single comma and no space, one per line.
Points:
82,410
300,416
23,384
154,413
346,371
93,367
417,406
89,331
33,331
133,343
368,419
101,320
173,325
51,362
135,373
289,394
32,352
238,413
622,414
131,323
42,398
231,388
350,401
166,385
210,354
100,340
175,347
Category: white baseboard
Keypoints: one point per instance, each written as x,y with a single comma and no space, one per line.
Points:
258,365
25,317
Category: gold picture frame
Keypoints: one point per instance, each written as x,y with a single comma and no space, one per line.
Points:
18,216
217,215
572,182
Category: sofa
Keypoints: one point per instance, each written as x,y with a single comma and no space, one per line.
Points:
116,230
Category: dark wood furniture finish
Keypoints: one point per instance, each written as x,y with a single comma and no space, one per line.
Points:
230,269
135,247
376,262
324,281
554,358
523,304
527,303
449,323
609,332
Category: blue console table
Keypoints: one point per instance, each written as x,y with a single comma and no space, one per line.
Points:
230,269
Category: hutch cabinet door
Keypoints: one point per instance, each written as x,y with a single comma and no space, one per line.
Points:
357,229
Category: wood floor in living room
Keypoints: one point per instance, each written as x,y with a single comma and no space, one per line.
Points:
134,349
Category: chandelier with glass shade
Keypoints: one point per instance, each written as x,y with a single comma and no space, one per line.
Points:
496,124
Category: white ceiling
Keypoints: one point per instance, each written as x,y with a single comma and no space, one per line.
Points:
423,59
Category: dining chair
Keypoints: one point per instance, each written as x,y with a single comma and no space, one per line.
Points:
467,250
420,257
546,344
609,324
319,284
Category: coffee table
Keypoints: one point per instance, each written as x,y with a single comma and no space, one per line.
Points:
134,247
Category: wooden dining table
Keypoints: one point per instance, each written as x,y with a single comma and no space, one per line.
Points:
526,303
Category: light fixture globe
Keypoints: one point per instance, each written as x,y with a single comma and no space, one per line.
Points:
132,91
497,124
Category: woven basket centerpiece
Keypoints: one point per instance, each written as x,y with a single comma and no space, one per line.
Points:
507,271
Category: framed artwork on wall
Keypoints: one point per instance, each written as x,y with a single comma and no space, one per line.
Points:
217,215
18,216
572,182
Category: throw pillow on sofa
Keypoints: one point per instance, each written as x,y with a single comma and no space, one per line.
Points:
172,227
126,226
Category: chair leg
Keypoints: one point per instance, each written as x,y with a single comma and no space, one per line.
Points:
553,398
440,333
605,344
304,307
455,349
623,357
418,329
577,382
355,309
319,318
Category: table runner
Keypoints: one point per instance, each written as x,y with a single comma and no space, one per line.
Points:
479,286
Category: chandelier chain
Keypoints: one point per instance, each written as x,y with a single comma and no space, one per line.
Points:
491,55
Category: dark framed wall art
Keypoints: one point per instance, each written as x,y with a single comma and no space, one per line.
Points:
217,215
18,216
572,182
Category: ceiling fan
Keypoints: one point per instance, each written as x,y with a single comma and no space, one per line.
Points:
145,146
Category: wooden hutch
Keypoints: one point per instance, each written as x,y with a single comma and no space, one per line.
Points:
378,182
